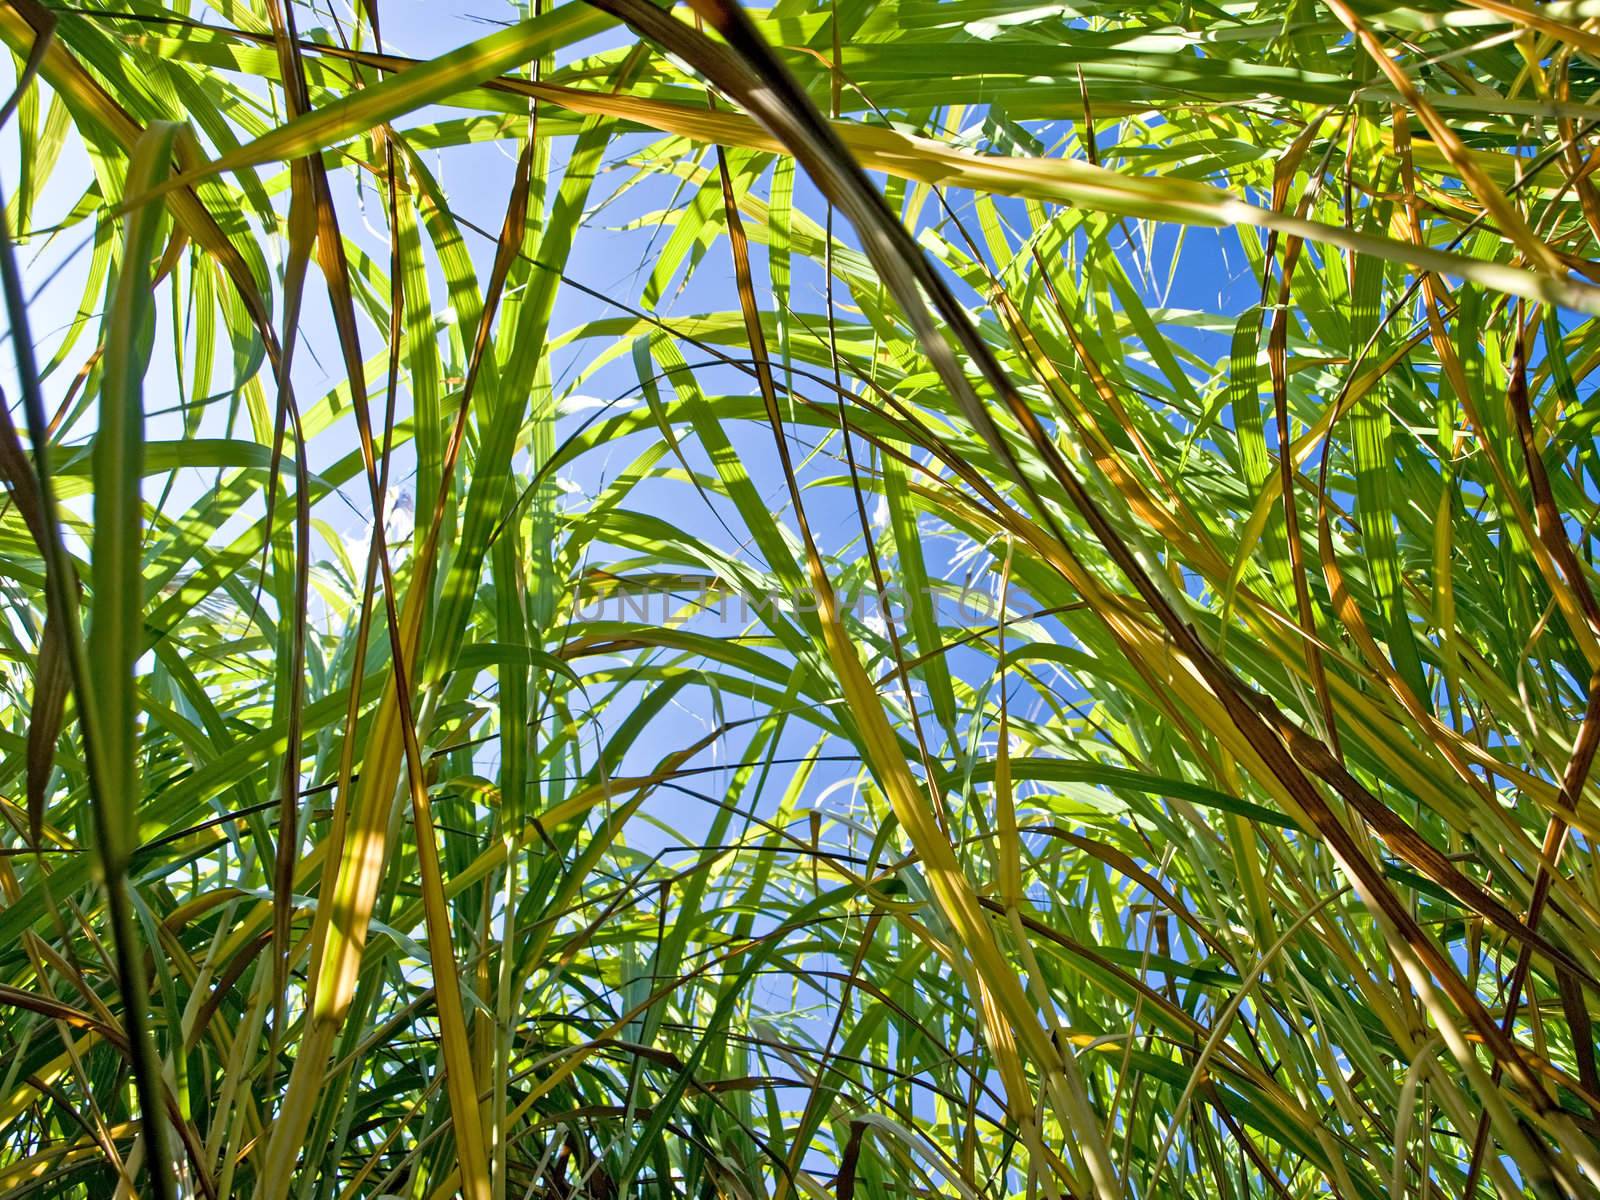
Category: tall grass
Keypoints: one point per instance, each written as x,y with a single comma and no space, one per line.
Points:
1041,641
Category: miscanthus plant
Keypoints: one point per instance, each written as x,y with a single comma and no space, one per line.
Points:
865,598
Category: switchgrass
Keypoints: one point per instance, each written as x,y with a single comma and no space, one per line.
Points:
1043,642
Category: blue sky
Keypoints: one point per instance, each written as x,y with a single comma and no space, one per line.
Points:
477,180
